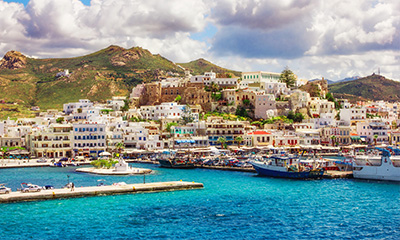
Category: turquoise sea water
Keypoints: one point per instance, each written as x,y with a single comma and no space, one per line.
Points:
233,205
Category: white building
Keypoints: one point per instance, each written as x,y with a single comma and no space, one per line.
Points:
168,110
53,141
89,139
350,116
260,76
71,107
265,106
368,130
116,103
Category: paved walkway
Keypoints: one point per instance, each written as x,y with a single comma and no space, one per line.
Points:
99,190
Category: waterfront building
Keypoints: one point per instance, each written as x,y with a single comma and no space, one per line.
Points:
374,129
190,142
308,137
259,138
287,139
52,142
89,138
218,127
395,137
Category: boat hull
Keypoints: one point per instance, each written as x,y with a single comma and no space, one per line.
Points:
386,171
266,170
172,164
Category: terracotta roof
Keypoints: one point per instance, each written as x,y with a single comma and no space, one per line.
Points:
259,133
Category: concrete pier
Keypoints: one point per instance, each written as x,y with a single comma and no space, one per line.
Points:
100,190
338,174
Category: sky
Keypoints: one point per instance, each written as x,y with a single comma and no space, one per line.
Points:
333,39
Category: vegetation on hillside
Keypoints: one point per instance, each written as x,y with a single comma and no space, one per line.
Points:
374,87
199,66
288,77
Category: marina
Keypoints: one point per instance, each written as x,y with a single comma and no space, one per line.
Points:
232,205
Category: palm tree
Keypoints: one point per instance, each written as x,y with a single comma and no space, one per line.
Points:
239,140
4,151
221,140
119,146
333,140
375,138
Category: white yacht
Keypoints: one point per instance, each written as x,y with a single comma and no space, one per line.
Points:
377,167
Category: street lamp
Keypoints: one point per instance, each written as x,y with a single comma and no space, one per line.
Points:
68,179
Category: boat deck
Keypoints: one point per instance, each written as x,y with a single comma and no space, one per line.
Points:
98,190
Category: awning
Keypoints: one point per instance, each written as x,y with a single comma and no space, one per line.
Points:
362,139
356,138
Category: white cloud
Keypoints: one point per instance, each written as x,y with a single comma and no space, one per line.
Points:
334,39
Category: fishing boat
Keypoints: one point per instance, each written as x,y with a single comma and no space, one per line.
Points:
176,163
387,168
287,167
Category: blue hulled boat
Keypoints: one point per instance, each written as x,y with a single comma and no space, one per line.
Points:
286,167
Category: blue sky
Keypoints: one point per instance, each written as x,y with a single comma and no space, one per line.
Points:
332,39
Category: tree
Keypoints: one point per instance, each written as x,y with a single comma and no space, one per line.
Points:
119,146
126,105
60,120
214,87
239,140
290,115
375,138
298,117
178,98
103,163
222,141
288,77
333,140
4,151
169,125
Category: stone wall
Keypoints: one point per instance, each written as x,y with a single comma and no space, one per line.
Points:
191,93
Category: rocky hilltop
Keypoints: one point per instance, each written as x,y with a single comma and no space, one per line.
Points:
13,60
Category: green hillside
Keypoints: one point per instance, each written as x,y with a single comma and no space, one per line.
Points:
97,76
199,66
374,87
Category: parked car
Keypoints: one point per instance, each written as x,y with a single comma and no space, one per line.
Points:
31,188
42,160
5,190
46,187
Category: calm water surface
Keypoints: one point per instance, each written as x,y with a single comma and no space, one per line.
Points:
233,205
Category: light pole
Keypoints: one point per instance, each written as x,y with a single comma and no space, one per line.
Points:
68,179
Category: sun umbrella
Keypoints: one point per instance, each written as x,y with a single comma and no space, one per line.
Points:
105,154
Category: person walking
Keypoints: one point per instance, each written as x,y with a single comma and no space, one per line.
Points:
72,187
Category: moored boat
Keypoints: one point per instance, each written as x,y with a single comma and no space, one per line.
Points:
287,167
176,163
388,168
